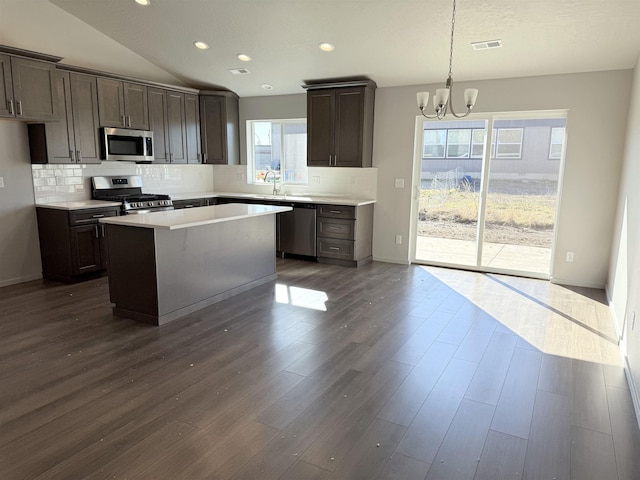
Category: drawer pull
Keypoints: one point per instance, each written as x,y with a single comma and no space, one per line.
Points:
335,211
98,215
334,248
334,228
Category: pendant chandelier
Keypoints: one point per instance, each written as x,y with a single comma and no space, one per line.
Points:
442,99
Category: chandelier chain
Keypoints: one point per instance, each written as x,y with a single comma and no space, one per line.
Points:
453,24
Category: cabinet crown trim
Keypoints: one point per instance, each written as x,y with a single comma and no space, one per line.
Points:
19,52
341,84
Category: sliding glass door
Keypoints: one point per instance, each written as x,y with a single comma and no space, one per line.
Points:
488,190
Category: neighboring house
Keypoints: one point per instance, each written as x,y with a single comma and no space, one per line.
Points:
526,149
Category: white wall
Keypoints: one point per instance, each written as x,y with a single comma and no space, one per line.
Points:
40,26
623,286
19,247
597,105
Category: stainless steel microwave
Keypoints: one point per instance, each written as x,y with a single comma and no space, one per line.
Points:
121,144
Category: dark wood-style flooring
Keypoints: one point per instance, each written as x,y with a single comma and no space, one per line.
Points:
380,372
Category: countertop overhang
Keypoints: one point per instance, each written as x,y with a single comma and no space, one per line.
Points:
193,217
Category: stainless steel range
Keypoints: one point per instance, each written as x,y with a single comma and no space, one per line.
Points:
128,191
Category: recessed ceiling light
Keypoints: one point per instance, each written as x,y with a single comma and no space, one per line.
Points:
201,45
326,47
244,57
143,2
486,44
266,86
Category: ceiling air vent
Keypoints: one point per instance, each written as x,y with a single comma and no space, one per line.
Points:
487,44
239,71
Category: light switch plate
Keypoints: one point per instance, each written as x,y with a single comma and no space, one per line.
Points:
399,182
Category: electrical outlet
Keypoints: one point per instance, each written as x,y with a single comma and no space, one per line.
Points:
1,182
315,180
399,182
569,256
398,239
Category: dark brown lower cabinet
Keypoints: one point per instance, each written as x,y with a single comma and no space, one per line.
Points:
345,234
72,243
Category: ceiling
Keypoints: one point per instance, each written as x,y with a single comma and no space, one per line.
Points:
393,42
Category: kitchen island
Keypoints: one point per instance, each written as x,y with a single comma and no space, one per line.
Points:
165,265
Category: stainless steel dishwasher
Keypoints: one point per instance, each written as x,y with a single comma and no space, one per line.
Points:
297,230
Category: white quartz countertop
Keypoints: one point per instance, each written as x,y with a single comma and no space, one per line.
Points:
326,199
78,204
193,217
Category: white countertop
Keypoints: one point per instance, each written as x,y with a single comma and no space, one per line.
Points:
327,199
193,217
78,204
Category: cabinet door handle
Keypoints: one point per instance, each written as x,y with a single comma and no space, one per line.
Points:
95,229
78,155
124,121
72,155
102,230
129,121
11,107
19,103
205,157
170,157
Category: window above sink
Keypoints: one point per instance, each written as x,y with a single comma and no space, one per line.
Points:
277,151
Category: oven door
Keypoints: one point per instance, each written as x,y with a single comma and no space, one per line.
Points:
147,210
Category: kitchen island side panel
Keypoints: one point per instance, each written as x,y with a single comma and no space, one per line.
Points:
132,271
198,263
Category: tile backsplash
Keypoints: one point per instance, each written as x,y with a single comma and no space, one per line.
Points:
60,183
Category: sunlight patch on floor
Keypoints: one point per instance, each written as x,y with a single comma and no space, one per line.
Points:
555,319
301,297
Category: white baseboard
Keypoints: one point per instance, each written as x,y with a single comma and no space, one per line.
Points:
574,283
633,391
16,280
391,260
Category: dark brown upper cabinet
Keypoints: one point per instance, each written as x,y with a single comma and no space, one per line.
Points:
192,125
122,104
27,89
75,137
169,125
340,124
219,123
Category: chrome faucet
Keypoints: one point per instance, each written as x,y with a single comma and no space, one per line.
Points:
266,177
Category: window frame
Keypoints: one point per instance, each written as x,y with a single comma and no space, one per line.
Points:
552,143
495,150
252,178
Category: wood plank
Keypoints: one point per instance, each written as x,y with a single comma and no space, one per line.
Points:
549,446
370,454
457,458
301,470
430,425
515,407
418,343
492,371
502,457
410,396
626,436
592,455
401,467
589,407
